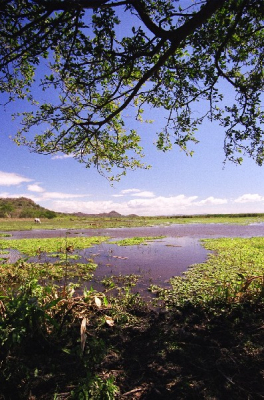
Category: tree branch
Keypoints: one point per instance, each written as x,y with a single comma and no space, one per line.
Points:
68,5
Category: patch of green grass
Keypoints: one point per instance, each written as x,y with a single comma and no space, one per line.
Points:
21,271
40,326
73,222
33,247
136,240
233,273
205,343
12,275
122,280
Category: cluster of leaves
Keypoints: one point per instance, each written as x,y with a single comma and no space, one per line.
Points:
106,57
41,324
21,271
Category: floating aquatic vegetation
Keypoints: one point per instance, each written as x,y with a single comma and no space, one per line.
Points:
233,272
34,247
136,240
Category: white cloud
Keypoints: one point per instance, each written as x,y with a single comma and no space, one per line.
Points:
128,191
3,195
135,193
162,205
249,198
144,194
17,195
211,201
149,206
61,157
88,207
10,178
44,195
59,195
35,188
139,202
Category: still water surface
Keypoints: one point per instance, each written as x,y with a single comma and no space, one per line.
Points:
157,261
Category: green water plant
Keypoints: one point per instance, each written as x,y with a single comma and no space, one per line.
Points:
137,240
232,273
12,275
59,343
114,281
39,323
35,246
95,388
73,222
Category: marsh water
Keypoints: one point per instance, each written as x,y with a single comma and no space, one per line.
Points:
155,262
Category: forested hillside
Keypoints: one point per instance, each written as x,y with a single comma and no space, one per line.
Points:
23,208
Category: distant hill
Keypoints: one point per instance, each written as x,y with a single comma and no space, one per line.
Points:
22,207
111,214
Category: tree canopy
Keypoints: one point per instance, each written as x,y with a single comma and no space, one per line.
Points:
104,57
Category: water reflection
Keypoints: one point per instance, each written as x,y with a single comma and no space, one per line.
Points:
157,261
160,259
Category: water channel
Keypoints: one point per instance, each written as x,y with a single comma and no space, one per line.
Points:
158,260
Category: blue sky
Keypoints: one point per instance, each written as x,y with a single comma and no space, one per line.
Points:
176,184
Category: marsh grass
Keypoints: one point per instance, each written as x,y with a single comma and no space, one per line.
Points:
135,241
205,342
234,272
62,271
34,247
73,222
12,275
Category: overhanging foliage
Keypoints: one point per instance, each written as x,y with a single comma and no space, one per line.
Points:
107,57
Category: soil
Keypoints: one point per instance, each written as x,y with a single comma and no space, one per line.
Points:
188,353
